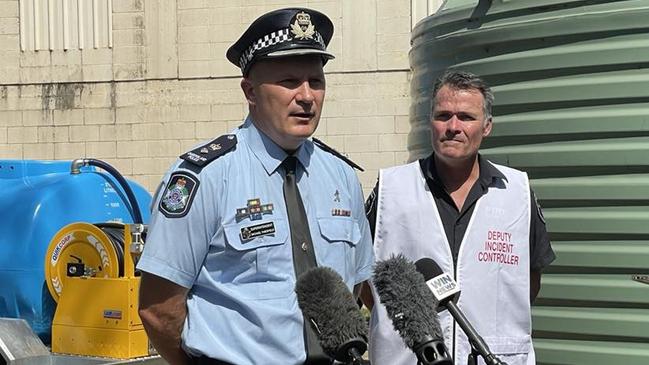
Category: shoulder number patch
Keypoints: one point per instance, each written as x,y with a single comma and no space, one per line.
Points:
179,194
205,154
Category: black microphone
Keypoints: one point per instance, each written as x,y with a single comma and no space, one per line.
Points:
330,307
445,289
411,307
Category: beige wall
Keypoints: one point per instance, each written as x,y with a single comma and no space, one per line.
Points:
165,85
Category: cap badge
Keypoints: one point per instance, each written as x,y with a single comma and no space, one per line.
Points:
303,28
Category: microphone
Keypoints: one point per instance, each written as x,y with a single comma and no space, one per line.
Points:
411,307
445,289
326,302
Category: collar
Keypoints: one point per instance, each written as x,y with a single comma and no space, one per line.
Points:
268,152
488,172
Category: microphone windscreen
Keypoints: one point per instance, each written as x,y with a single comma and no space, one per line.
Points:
408,301
428,268
327,302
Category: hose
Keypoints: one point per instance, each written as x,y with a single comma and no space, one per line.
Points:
135,207
115,233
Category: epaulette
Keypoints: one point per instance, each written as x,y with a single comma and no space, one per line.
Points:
322,145
203,155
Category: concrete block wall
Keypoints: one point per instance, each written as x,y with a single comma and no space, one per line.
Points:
165,85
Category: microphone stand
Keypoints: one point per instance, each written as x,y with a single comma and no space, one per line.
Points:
490,358
473,356
478,345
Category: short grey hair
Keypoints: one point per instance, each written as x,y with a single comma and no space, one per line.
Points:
462,80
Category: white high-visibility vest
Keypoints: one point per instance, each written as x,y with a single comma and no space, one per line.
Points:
493,268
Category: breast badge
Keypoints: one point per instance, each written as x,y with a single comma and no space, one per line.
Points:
336,212
254,210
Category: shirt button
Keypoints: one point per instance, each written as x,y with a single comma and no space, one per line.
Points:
304,246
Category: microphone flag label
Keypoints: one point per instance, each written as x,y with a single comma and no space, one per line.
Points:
443,286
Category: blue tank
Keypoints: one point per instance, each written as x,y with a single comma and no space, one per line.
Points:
38,198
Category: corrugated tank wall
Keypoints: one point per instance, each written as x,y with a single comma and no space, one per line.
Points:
571,80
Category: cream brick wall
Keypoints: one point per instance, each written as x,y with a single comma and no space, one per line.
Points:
165,85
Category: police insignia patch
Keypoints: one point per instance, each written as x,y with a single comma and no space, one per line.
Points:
179,194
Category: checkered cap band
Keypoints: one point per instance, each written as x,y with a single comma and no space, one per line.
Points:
280,36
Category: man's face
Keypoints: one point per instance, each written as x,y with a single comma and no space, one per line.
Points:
458,124
285,97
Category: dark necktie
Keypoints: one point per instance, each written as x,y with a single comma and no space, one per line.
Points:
303,253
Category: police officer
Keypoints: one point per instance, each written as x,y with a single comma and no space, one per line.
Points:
479,221
242,216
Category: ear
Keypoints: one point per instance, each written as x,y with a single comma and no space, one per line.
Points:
487,128
249,91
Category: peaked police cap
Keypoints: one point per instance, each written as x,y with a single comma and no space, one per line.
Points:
282,33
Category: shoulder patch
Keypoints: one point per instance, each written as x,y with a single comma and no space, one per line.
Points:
538,208
326,148
178,195
209,152
370,203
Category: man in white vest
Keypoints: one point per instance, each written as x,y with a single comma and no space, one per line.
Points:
479,221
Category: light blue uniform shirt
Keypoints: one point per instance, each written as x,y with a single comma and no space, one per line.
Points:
242,307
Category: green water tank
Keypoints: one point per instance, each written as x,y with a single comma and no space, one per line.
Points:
571,81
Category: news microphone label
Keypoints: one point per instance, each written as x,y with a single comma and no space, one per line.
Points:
443,286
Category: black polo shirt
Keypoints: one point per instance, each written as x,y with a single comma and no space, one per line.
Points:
455,221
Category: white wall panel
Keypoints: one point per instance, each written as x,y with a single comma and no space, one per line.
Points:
65,24
423,8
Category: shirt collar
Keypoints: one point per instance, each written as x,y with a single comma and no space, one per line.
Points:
488,172
268,152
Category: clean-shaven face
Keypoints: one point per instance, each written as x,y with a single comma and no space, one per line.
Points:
286,96
458,123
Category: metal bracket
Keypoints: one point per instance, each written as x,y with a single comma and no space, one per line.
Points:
644,279
137,243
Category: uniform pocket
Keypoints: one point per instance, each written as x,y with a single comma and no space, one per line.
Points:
341,234
340,229
256,259
511,350
245,236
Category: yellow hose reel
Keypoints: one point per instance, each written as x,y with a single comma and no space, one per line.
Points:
90,272
82,248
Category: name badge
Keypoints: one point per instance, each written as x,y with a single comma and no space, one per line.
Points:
258,230
336,212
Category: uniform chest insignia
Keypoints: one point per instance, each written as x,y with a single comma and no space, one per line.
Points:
337,196
254,210
336,212
258,230
178,195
